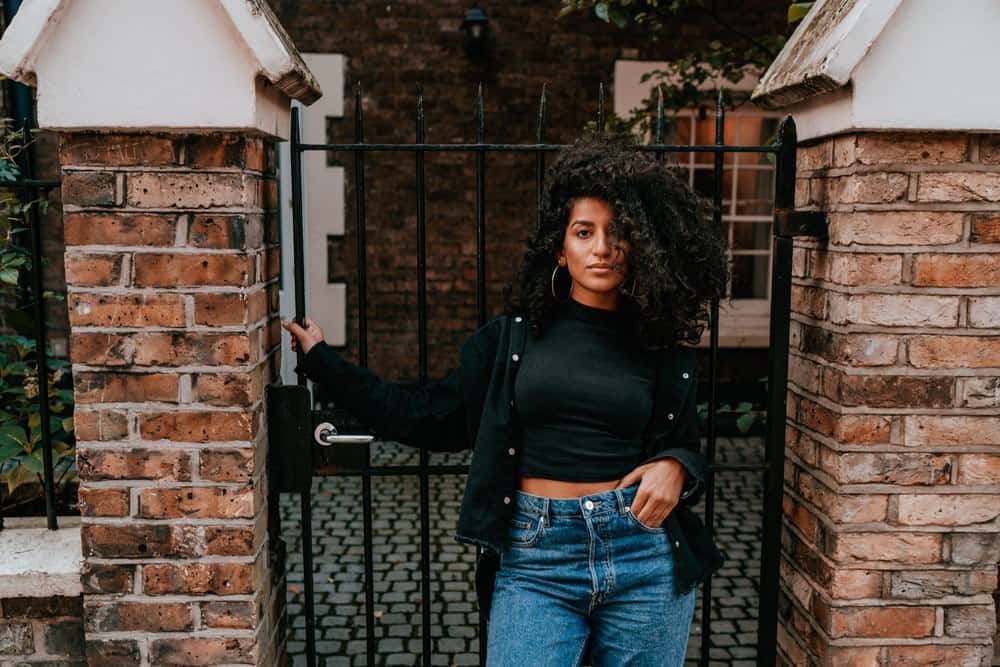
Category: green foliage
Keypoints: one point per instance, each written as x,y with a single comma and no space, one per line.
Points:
20,417
726,59
21,456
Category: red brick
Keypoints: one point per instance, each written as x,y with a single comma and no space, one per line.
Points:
865,269
104,425
929,584
911,148
947,510
223,231
112,653
227,389
984,311
216,150
978,469
956,270
230,615
134,310
194,652
140,541
157,464
88,188
181,349
966,186
198,426
935,655
99,578
103,501
979,621
985,228
199,579
138,616
867,188
123,150
101,349
887,547
809,301
875,622
951,430
125,387
942,351
123,229
190,270
92,269
229,541
226,465
850,349
199,502
219,310
185,190
892,228
884,468
894,310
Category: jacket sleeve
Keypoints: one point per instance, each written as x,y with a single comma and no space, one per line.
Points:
685,446
440,415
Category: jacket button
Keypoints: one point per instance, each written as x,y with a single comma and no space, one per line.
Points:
506,500
512,402
677,544
685,375
514,357
517,319
511,451
670,415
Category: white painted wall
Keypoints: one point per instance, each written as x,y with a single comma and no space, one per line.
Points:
929,69
152,65
323,190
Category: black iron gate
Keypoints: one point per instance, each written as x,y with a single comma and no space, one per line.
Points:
301,437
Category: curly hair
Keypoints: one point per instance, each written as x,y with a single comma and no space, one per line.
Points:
678,257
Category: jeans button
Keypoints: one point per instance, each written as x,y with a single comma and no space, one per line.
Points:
589,504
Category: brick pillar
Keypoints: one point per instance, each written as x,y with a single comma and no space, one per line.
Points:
171,265
893,479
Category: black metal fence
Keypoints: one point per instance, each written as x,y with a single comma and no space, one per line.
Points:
26,443
307,463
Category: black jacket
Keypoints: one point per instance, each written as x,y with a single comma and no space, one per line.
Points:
474,407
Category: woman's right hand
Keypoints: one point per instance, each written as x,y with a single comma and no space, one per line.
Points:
306,337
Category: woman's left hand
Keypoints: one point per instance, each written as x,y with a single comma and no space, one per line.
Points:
659,490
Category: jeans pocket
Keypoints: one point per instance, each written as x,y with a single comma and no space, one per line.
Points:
524,529
635,520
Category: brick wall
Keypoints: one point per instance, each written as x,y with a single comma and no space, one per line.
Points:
892,504
171,263
389,48
41,631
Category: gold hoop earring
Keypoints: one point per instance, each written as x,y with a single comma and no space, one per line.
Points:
553,283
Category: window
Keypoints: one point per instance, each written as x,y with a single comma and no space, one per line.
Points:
747,197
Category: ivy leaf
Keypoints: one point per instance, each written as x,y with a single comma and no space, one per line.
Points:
798,10
601,11
745,421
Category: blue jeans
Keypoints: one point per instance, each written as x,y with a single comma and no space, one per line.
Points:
575,567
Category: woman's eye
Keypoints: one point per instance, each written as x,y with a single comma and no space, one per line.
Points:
582,231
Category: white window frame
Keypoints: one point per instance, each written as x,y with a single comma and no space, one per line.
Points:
746,322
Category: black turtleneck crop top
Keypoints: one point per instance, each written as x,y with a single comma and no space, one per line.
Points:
584,393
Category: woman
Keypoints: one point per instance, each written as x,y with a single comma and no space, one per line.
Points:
580,408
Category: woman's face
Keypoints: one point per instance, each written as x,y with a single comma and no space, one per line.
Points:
596,259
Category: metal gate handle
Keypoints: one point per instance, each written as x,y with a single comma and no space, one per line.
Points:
326,435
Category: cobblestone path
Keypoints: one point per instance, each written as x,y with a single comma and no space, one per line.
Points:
339,571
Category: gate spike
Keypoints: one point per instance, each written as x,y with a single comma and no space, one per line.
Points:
659,114
358,112
420,106
540,128
480,119
600,108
